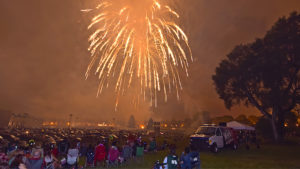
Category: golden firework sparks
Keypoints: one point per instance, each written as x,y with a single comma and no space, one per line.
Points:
137,41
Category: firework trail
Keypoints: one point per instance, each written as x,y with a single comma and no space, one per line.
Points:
137,43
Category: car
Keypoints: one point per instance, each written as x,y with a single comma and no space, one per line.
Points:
213,137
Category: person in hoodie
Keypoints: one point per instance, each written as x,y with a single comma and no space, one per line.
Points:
100,154
113,154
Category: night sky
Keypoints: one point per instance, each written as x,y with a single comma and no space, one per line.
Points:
43,57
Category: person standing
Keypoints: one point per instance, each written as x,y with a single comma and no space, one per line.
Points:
82,155
185,159
113,154
152,144
100,154
127,152
90,155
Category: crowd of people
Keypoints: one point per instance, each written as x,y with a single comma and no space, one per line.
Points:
74,153
189,159
88,149
247,138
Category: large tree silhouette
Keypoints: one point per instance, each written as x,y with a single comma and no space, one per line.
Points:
264,74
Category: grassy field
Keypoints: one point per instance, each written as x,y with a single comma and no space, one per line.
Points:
267,157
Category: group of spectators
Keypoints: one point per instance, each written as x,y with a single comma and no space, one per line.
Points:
74,153
189,159
103,150
248,138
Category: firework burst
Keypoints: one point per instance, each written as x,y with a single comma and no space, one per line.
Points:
137,43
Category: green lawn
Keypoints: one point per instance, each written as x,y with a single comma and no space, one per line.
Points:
267,157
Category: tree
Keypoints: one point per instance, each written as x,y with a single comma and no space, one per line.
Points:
253,119
243,119
187,122
290,121
131,122
265,73
263,128
206,117
222,119
196,119
150,124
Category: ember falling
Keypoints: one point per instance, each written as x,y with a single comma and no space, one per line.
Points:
140,43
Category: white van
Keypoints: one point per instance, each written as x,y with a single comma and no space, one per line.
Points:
213,137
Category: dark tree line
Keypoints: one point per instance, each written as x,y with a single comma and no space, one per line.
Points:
265,74
131,122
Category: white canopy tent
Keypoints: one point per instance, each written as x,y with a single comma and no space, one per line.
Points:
239,126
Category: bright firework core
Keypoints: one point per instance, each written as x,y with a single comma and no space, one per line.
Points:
137,43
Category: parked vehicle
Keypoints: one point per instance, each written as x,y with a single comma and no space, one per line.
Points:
213,138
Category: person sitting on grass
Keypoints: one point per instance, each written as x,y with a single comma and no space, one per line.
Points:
171,161
72,156
54,150
50,161
36,160
195,157
18,163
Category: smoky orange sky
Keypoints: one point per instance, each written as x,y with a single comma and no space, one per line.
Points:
43,57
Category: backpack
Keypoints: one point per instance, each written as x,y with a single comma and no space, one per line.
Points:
172,162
